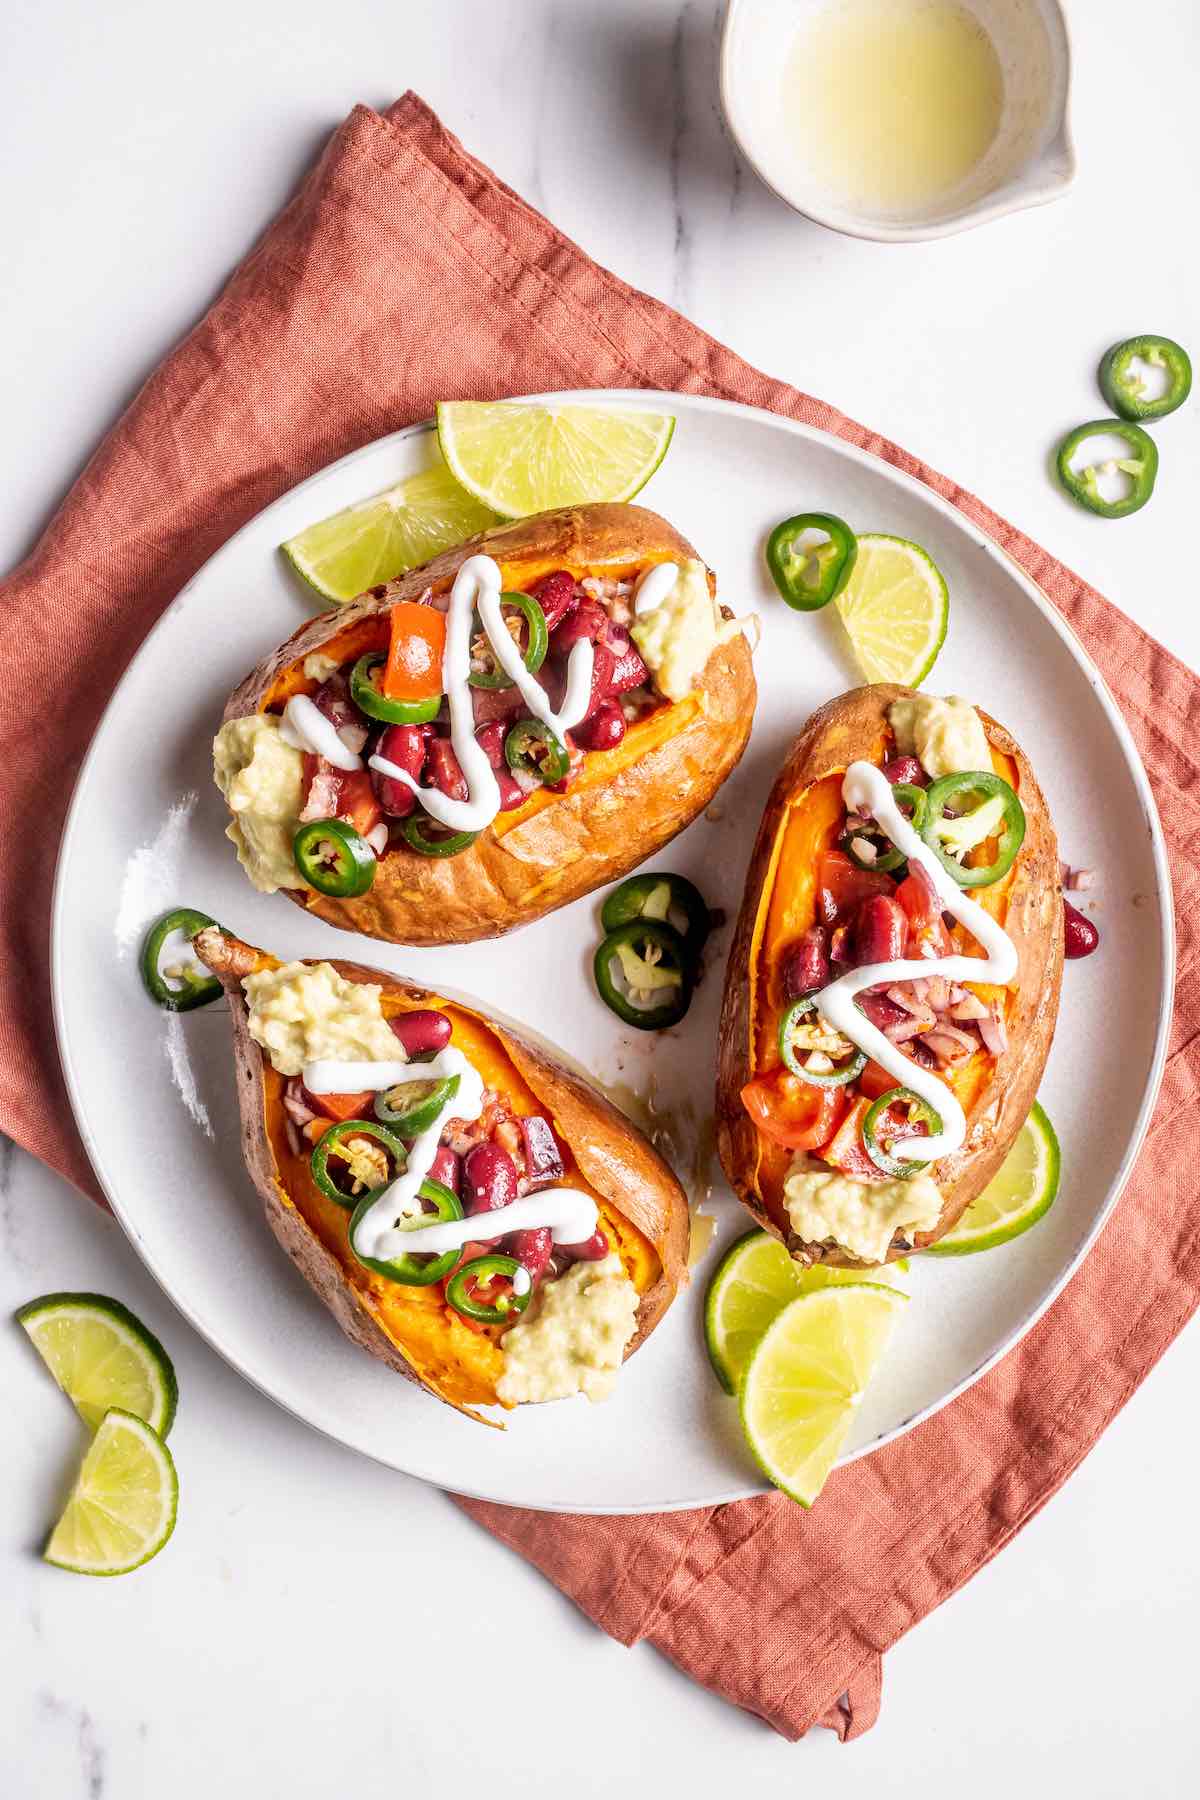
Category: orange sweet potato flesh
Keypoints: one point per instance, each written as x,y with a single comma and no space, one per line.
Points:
642,1206
801,821
556,847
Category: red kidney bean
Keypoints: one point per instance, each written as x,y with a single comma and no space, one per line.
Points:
603,728
490,1179
423,1032
490,738
532,1249
512,794
593,1249
405,745
1082,936
905,768
587,620
629,671
880,930
443,769
446,1167
603,664
496,705
557,595
806,964
543,1158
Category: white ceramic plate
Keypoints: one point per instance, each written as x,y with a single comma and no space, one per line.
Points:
154,1094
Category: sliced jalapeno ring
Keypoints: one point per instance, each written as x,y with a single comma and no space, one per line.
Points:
420,834
369,698
889,859
878,1150
480,1272
537,642
330,1143
999,814
334,859
531,748
196,986
809,578
1083,484
653,960
420,1269
418,1104
658,895
1125,390
791,1024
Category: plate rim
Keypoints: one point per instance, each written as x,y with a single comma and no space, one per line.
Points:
956,518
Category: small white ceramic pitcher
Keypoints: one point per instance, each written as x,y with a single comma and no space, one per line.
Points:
1031,159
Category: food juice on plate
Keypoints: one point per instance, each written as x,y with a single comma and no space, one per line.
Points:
892,103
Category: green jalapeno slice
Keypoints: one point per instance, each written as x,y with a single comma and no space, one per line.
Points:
480,1272
334,858
412,1106
1083,484
419,1269
531,748
537,640
997,814
429,839
369,698
810,577
657,974
878,1140
332,1143
802,1043
660,895
196,987
1125,390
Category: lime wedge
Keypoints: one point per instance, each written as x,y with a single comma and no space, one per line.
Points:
122,1508
807,1377
1022,1189
521,459
380,538
102,1356
754,1281
895,608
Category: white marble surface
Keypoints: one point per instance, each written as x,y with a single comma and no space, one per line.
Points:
268,1652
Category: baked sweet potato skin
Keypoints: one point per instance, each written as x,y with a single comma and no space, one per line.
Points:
851,727
618,1163
591,834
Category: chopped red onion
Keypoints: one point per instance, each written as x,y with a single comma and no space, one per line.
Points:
970,1006
994,1035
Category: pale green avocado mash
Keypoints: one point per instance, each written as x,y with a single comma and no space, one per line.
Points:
946,736
860,1216
679,635
262,778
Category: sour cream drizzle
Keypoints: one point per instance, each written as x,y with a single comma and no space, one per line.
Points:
654,587
305,727
866,789
477,589
571,1215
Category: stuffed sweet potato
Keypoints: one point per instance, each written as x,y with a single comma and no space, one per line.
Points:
536,1137
629,757
819,1116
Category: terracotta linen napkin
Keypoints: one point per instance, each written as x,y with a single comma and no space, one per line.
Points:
403,272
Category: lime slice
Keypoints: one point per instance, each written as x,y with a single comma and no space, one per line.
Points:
101,1356
522,459
122,1508
754,1281
380,538
807,1378
895,608
1023,1188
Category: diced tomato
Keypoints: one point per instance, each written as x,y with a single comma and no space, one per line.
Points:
875,1080
414,665
919,898
841,886
791,1112
343,1106
331,793
847,1150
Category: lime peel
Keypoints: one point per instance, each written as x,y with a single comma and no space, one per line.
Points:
1020,1193
518,457
102,1356
123,1506
895,609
